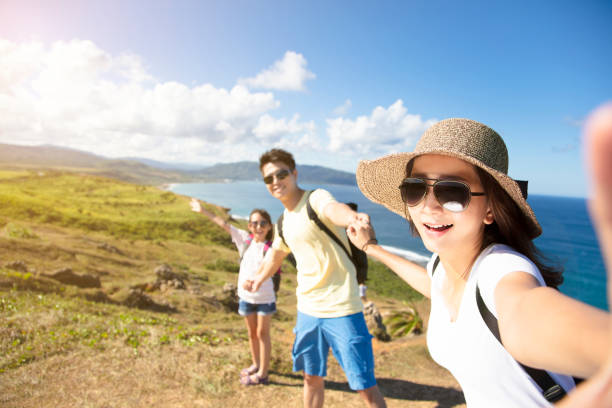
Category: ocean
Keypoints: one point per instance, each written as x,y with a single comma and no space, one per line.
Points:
568,236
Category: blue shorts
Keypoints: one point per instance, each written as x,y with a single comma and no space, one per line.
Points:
262,309
349,339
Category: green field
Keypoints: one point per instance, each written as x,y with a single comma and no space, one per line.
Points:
64,345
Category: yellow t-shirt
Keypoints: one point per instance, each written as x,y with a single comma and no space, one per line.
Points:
327,284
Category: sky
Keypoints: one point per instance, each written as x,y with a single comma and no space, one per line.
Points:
334,82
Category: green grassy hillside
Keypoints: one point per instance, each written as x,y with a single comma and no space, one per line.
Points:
91,203
152,341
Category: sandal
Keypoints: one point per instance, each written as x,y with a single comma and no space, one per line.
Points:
254,379
249,370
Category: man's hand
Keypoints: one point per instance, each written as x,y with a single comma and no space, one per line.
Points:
362,217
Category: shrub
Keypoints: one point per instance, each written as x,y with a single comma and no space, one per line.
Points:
385,283
404,322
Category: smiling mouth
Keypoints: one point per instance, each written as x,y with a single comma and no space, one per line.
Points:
438,227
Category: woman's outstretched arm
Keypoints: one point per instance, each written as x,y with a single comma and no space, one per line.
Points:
362,235
543,328
540,326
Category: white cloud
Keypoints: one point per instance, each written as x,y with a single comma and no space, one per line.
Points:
384,131
271,129
288,74
77,95
343,109
18,62
291,135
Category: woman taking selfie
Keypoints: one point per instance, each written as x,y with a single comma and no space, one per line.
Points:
497,321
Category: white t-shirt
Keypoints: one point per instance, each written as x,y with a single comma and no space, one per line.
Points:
251,259
489,376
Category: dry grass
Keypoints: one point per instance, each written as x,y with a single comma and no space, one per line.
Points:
60,348
207,377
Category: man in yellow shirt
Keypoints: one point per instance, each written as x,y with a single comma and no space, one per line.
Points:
330,312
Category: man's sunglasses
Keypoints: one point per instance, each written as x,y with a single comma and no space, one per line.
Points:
280,175
452,195
262,223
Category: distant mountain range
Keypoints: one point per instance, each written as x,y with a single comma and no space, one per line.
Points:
148,171
247,170
64,159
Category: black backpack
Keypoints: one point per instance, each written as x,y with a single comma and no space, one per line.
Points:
550,389
356,255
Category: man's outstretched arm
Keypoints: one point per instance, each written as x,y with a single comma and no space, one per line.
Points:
342,215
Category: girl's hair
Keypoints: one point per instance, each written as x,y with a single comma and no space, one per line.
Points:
266,216
508,227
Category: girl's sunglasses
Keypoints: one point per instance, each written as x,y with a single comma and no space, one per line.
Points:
452,195
280,175
262,223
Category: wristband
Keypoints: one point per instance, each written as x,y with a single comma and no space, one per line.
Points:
371,241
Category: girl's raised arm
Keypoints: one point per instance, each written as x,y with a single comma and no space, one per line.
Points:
197,207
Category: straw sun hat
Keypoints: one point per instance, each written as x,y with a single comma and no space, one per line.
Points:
465,139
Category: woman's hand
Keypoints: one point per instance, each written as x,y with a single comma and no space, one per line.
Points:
597,391
360,233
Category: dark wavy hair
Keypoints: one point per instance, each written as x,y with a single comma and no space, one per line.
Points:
266,216
507,227
277,155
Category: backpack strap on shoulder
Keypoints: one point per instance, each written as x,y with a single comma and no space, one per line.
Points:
248,242
267,246
279,227
279,230
312,214
550,389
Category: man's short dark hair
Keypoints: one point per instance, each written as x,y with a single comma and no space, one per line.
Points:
277,155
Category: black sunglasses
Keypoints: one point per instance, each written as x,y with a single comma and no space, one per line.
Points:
262,223
452,195
280,175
